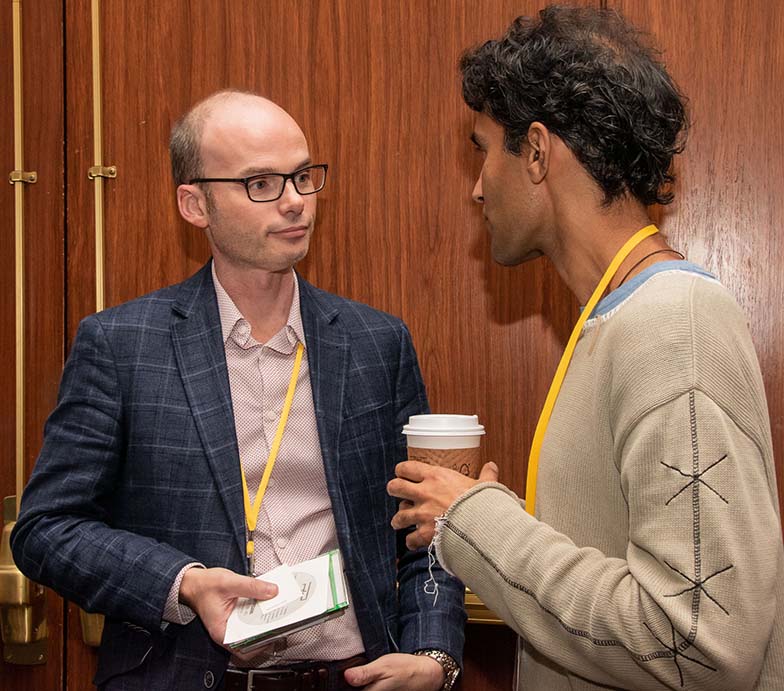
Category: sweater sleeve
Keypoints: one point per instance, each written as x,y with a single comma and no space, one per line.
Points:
689,606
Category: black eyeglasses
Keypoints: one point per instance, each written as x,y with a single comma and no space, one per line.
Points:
268,187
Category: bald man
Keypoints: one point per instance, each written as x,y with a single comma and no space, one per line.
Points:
141,504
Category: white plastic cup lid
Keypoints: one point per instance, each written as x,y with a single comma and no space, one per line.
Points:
437,425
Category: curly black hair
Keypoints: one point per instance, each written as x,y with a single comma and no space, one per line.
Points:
597,83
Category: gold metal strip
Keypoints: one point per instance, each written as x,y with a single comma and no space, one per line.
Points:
92,624
19,253
22,603
98,171
478,612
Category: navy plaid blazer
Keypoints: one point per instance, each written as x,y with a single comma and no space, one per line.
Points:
139,475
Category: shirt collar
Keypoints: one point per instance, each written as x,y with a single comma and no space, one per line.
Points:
233,324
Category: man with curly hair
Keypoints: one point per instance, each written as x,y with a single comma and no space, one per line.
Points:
648,551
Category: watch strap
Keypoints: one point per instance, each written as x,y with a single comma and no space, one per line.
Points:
448,664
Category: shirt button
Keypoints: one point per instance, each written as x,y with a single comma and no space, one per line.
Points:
282,542
270,416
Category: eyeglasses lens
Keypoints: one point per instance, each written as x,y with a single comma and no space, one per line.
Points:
264,188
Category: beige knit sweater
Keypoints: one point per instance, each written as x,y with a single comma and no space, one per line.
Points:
655,559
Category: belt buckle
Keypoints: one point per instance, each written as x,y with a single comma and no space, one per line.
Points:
253,673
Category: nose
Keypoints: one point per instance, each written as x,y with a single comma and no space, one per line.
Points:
291,200
476,195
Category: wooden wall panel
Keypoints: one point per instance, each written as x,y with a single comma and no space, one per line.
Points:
489,662
728,58
42,50
80,211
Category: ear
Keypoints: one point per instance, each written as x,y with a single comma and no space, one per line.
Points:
192,203
538,151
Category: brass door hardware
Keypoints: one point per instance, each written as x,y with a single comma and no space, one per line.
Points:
22,176
19,282
92,627
102,172
22,603
478,612
92,623
98,171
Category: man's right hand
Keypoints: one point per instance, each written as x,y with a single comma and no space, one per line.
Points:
212,594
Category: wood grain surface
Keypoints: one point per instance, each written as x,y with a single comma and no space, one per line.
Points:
44,228
375,86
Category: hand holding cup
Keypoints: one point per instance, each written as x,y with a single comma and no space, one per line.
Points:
444,458
427,492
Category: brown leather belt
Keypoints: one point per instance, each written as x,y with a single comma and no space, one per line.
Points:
299,676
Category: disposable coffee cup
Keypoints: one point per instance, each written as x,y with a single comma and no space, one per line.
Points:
449,441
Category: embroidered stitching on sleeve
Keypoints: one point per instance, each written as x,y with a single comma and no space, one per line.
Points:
697,588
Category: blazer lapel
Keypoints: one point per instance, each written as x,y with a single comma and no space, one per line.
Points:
200,354
328,350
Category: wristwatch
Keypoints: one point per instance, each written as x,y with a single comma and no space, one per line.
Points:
450,667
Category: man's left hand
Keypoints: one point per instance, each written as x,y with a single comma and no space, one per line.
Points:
397,672
428,491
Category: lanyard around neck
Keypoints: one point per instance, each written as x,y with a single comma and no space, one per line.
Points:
563,365
252,512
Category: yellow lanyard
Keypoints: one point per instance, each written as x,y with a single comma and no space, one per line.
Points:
252,512
563,365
